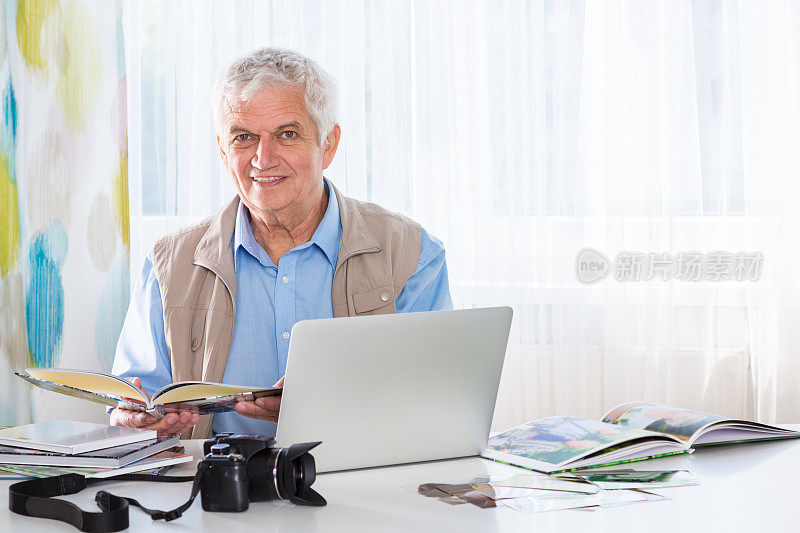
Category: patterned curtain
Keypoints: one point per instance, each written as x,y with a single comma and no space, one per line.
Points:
64,227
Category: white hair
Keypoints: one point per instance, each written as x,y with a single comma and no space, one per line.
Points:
267,68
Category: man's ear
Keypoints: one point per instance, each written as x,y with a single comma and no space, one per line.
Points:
331,144
222,153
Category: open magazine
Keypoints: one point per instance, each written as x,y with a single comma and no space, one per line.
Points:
629,432
198,396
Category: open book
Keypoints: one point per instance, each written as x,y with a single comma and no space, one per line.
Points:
629,432
198,396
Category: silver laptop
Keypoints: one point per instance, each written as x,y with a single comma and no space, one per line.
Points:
391,389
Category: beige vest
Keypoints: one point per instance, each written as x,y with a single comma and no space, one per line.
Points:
378,252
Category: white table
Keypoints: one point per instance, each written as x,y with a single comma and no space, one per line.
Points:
745,487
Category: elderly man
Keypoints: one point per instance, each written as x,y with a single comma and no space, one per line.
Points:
217,301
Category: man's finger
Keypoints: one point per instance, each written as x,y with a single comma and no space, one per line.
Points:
164,423
270,403
171,418
127,402
245,408
132,419
177,428
195,418
163,427
136,382
185,421
171,423
144,419
251,410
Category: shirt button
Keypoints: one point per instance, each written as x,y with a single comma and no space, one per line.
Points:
285,334
385,296
285,279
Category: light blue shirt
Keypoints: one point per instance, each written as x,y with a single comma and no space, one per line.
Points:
269,300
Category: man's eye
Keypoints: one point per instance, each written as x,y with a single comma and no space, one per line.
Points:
289,134
242,137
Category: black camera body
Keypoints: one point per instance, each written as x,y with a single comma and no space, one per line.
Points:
239,469
225,483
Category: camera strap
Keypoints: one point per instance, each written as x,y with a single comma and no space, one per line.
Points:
35,498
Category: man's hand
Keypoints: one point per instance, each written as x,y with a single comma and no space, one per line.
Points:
264,408
171,424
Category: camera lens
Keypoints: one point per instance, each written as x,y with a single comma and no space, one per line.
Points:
285,474
307,471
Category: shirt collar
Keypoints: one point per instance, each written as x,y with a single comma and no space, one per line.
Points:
243,239
326,236
330,228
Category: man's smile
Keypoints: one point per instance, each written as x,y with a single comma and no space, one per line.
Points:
268,179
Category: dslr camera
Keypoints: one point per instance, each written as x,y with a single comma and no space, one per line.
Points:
250,468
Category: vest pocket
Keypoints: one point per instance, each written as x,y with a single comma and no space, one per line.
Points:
375,300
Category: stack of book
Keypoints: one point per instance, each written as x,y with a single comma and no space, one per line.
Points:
59,447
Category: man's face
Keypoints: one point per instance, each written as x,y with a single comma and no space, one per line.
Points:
269,146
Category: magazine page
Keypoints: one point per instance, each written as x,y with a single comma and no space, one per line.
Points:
218,404
95,382
740,431
550,443
680,423
71,391
198,390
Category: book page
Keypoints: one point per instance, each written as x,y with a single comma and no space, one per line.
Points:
89,381
731,431
195,390
560,440
680,423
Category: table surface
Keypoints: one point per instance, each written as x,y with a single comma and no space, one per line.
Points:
743,487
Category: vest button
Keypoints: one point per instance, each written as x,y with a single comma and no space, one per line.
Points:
195,344
385,296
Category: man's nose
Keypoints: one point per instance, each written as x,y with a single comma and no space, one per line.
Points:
265,157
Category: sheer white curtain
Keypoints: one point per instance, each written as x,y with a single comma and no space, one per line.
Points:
520,133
